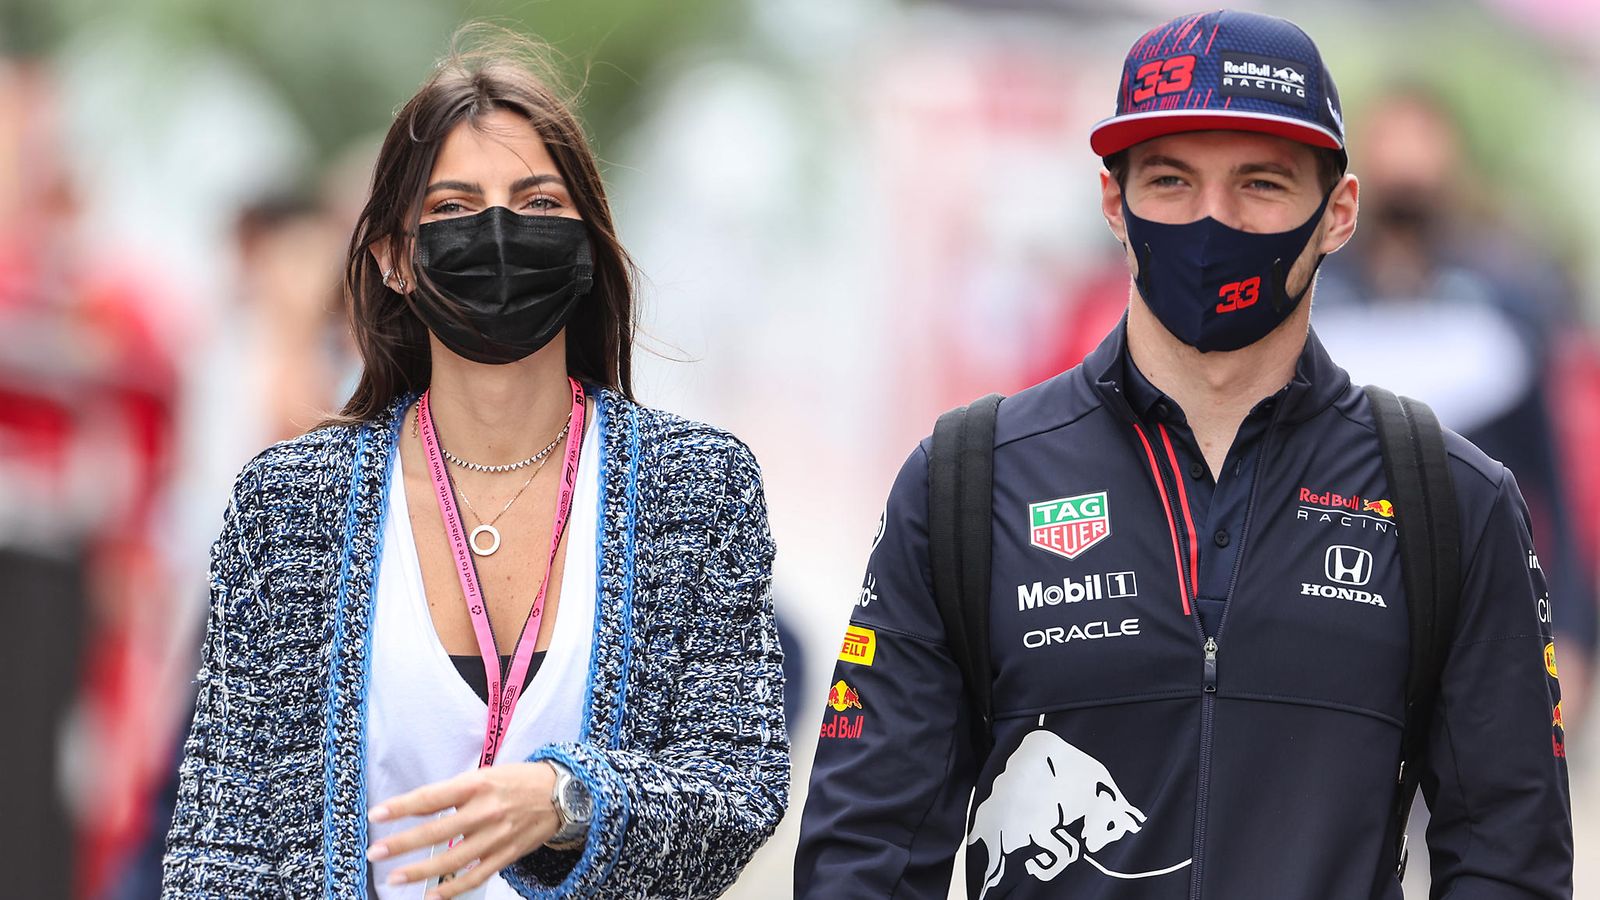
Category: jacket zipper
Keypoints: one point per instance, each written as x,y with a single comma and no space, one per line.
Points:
1209,679
1208,711
1208,648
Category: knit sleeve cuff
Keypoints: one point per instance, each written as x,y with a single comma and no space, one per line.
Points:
549,873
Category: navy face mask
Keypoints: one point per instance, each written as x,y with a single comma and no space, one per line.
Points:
1215,287
519,279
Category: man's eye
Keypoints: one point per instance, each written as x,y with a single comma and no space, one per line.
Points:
1166,181
1262,184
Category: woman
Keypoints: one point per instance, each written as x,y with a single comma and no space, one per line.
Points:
497,624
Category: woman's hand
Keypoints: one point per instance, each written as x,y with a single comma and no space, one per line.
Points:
502,813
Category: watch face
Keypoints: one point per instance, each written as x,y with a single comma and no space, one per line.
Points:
575,798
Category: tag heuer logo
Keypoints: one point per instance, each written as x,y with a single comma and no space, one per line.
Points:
1071,525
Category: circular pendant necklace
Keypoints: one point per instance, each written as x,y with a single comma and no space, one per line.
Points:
487,528
490,530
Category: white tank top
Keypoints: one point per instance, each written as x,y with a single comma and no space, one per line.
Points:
424,723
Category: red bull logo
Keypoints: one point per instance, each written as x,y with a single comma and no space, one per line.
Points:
1557,720
844,728
1047,785
1352,502
842,697
1381,507
1330,499
1550,659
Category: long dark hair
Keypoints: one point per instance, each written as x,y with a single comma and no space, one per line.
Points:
487,69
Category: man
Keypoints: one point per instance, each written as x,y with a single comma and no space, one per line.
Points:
1197,618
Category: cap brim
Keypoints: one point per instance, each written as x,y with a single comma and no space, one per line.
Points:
1121,132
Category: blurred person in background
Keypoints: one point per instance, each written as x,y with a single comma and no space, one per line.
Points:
300,354
1183,695
87,430
1440,298
358,727
279,355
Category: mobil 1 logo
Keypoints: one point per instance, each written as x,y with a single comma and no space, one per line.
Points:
1097,586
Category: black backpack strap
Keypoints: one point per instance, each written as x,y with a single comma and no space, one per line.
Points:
960,516
1418,471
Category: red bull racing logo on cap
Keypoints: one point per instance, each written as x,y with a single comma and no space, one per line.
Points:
1264,77
1070,525
1550,659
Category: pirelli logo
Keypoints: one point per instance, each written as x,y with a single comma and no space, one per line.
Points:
860,645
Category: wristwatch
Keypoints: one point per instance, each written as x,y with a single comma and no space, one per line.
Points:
574,807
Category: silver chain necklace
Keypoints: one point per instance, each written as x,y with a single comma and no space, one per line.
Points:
509,467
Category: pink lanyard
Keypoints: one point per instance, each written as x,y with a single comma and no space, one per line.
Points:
502,699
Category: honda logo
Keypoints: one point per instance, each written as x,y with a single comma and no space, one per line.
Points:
1349,565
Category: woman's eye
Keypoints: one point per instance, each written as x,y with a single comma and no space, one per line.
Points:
446,207
544,202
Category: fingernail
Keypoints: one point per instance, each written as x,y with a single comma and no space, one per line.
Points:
398,878
378,813
377,852
434,895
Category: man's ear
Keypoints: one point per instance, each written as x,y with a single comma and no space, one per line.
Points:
1341,214
1111,206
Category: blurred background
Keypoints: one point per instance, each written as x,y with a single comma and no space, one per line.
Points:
850,217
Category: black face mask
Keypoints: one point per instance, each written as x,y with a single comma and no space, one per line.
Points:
519,279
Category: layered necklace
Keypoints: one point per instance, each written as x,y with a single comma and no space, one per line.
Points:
505,683
488,528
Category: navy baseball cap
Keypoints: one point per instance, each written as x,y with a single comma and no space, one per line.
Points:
1224,70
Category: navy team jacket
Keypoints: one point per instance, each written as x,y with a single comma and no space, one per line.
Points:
1142,750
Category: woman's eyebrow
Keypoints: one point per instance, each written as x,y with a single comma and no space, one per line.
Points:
466,187
472,187
522,184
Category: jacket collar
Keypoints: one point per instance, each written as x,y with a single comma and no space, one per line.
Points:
1316,384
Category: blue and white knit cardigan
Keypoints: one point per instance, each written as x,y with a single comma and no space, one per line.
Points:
683,744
